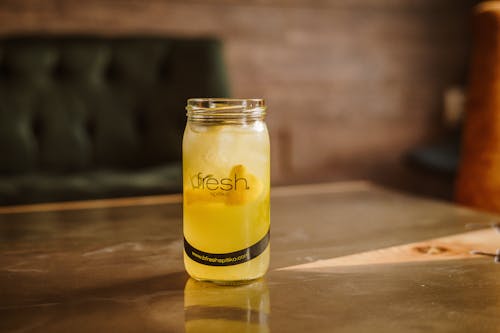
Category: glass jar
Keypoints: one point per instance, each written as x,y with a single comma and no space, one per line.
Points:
226,180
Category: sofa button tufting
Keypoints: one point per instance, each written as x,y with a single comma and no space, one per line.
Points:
89,104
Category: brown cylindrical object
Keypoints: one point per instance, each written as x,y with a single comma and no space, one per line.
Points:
478,182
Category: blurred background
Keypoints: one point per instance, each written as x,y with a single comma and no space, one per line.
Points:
362,89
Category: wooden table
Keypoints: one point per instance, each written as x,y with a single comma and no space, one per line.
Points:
346,257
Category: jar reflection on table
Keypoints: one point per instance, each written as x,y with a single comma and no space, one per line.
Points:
221,308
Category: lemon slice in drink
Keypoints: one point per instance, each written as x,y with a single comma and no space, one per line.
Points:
247,187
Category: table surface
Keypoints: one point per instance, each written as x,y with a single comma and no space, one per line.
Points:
344,259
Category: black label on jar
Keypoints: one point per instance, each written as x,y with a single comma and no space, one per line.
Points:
227,259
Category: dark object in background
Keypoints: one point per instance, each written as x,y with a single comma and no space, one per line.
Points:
88,117
441,156
478,183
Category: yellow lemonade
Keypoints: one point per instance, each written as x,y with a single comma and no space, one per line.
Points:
226,179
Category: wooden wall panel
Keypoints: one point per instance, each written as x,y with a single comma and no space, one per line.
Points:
351,85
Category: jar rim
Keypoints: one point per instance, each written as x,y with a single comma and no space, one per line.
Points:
225,108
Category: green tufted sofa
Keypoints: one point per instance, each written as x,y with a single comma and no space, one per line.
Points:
87,117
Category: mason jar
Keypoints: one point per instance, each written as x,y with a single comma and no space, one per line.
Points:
226,180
